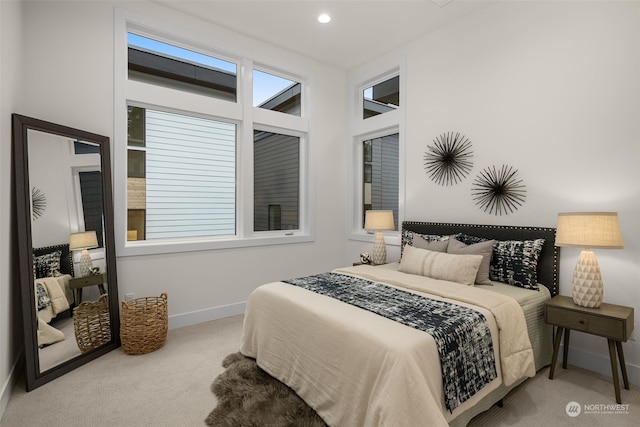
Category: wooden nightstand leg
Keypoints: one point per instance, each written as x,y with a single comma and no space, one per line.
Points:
614,369
623,366
556,347
565,348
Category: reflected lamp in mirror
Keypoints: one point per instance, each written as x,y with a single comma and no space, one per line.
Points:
379,221
588,230
84,241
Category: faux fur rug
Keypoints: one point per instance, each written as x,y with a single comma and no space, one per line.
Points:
249,397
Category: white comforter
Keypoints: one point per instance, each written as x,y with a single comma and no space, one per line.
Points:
57,290
356,368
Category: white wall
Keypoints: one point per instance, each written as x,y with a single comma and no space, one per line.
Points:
10,314
552,89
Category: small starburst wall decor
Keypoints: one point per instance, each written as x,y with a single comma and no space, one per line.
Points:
38,203
498,191
449,159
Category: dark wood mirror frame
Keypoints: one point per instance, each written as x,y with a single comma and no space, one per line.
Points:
21,125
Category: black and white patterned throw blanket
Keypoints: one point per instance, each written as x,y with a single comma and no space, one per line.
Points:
461,334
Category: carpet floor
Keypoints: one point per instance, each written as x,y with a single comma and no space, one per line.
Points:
172,387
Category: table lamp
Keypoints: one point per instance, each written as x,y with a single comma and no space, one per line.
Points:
83,241
588,230
378,221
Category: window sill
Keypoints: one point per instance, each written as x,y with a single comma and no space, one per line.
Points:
164,247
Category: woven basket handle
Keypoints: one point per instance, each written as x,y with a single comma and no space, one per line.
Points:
126,306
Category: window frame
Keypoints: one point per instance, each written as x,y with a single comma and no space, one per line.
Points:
363,129
242,113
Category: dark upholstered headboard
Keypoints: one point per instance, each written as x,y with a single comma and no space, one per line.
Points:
66,259
549,257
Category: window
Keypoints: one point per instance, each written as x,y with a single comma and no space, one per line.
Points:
377,124
186,185
276,184
276,93
380,180
203,171
167,65
381,97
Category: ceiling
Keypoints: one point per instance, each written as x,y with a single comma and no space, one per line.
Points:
359,30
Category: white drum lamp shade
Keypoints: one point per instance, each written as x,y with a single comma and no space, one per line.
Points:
379,221
588,230
82,242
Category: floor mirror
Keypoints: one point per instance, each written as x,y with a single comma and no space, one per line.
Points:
65,242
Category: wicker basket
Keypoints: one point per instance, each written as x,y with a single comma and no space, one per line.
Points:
91,324
144,324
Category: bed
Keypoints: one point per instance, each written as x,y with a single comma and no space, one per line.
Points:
52,270
352,342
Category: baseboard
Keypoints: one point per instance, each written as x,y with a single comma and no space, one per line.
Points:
206,315
7,387
597,363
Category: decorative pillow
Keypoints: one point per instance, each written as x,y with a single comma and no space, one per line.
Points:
42,297
409,237
47,265
438,265
433,245
516,262
482,248
470,240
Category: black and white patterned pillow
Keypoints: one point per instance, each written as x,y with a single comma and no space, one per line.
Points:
513,261
47,265
42,297
470,240
516,262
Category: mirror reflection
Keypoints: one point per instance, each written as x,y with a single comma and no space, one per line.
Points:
69,259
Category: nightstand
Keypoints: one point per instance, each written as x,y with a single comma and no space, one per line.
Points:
614,322
78,283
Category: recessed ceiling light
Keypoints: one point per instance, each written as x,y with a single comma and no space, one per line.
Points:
324,18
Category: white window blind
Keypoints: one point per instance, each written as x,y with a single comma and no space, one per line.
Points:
191,174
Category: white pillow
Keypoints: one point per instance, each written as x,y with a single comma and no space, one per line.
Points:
439,265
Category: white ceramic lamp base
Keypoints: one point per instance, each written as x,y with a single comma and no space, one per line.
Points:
85,264
379,249
587,282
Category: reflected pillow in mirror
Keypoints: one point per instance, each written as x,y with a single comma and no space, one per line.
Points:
47,265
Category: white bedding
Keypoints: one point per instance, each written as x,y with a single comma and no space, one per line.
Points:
356,368
58,290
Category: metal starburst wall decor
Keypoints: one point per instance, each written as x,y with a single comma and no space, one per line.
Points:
498,191
38,203
449,159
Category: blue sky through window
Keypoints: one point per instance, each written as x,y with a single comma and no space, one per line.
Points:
180,53
266,85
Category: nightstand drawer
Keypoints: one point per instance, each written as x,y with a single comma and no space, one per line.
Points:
585,322
80,282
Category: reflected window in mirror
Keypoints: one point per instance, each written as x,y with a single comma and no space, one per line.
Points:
91,193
